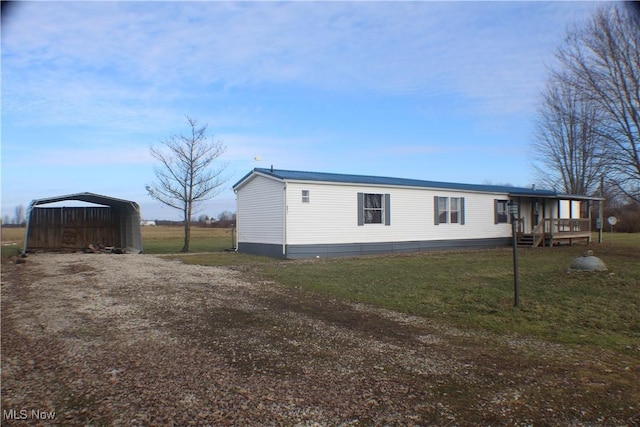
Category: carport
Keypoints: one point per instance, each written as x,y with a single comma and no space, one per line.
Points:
109,222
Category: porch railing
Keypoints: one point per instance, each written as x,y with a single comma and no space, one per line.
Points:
568,226
556,228
539,233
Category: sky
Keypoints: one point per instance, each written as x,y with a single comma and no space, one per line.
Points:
442,91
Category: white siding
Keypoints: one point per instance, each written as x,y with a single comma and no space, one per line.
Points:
331,216
260,212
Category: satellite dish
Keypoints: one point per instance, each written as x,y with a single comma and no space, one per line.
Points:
612,220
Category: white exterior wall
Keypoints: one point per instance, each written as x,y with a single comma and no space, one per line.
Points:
331,216
260,214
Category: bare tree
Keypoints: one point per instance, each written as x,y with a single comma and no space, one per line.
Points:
226,216
568,147
602,63
186,175
19,215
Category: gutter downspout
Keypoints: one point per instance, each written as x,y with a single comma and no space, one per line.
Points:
235,248
284,225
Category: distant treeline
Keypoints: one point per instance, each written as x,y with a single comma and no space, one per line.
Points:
223,223
628,218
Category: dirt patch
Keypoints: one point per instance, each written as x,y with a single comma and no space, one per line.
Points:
135,339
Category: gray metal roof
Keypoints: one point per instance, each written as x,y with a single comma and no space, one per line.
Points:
86,197
288,175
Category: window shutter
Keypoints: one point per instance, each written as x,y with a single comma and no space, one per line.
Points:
360,208
495,211
461,210
387,209
436,214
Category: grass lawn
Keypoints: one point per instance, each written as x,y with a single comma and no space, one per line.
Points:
12,240
167,240
475,289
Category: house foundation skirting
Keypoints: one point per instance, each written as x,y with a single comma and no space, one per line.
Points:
262,249
358,249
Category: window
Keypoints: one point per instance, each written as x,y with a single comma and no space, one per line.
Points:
501,211
455,210
305,196
374,208
448,210
443,210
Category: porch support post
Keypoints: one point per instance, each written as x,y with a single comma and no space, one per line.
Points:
601,211
589,217
543,202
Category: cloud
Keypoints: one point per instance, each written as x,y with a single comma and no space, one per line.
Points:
71,62
107,156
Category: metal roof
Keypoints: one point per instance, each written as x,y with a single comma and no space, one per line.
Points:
85,197
289,175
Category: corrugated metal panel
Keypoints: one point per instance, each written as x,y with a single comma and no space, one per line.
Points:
71,228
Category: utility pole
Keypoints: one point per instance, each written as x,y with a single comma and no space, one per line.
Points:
513,211
600,222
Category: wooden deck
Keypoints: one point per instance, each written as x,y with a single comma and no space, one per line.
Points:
550,232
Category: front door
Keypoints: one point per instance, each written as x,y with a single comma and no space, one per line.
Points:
535,213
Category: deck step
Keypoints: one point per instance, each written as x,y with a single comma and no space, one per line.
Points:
528,240
525,240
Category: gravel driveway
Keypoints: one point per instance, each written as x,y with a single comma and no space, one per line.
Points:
96,339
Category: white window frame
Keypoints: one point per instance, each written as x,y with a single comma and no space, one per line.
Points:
449,210
457,211
443,214
370,219
502,215
306,196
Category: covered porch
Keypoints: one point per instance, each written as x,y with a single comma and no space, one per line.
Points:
549,221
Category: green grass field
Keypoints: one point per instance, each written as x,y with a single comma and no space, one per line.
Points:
472,289
475,289
166,240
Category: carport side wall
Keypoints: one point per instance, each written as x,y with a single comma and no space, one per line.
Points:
129,232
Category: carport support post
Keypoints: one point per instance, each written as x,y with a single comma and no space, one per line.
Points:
513,210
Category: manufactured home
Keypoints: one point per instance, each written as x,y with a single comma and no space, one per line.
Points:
297,214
